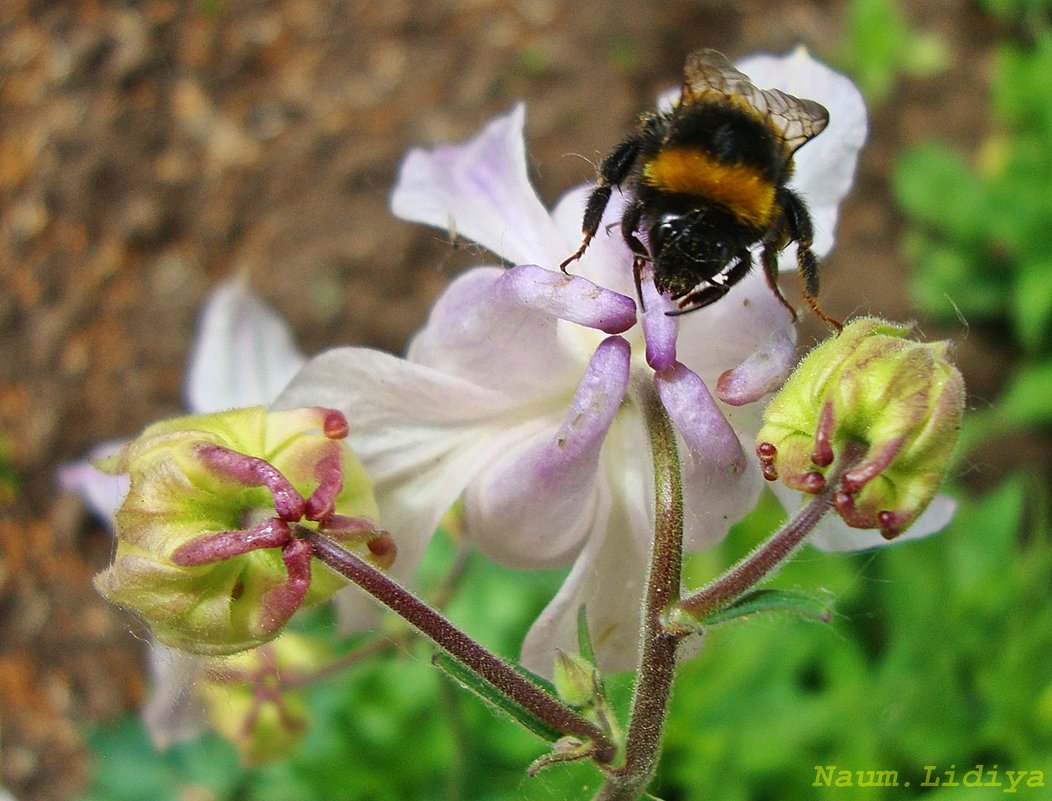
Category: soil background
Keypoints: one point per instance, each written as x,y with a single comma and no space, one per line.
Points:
149,149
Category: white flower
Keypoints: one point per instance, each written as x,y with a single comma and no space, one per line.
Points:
516,394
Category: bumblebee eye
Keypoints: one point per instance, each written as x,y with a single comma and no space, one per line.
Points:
661,233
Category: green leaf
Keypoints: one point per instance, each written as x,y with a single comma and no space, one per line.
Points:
938,188
468,679
815,607
584,637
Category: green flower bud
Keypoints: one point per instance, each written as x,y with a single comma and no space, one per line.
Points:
574,678
248,700
208,552
897,401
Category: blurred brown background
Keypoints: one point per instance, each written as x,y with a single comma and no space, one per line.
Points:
149,149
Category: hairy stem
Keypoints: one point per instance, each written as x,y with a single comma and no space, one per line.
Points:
657,659
772,554
496,672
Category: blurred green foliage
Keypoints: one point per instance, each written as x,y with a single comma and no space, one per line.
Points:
939,653
880,45
981,231
1032,14
8,475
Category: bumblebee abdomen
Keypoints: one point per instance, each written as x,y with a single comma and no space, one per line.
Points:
744,190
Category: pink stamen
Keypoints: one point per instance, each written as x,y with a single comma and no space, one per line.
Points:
383,550
255,472
822,456
210,548
856,479
813,482
329,472
335,424
279,604
767,452
891,523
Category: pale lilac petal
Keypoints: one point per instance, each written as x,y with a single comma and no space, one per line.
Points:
763,372
244,353
532,508
834,535
480,330
480,190
660,329
720,485
102,492
698,418
722,336
825,166
607,579
571,298
172,712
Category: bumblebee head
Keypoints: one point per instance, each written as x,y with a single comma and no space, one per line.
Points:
691,243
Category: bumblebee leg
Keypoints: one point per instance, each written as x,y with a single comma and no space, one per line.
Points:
612,171
769,257
713,291
700,298
629,225
801,231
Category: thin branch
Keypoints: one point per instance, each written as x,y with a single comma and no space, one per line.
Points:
772,554
496,672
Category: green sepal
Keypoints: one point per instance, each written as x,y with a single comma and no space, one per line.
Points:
469,680
584,637
805,605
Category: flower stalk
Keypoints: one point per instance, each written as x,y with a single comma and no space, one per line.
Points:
490,668
768,557
657,657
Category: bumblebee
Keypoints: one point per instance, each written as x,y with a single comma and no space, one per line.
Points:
707,181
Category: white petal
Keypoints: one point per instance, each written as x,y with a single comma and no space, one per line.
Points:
422,435
480,190
607,578
499,328
478,333
172,713
102,492
533,505
763,372
722,336
244,353
607,261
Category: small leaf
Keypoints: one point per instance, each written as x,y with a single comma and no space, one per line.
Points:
471,681
584,637
755,602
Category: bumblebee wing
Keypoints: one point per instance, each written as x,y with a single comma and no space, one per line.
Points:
796,120
709,75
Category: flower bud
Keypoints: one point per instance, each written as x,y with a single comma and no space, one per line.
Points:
574,678
209,545
248,701
872,390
